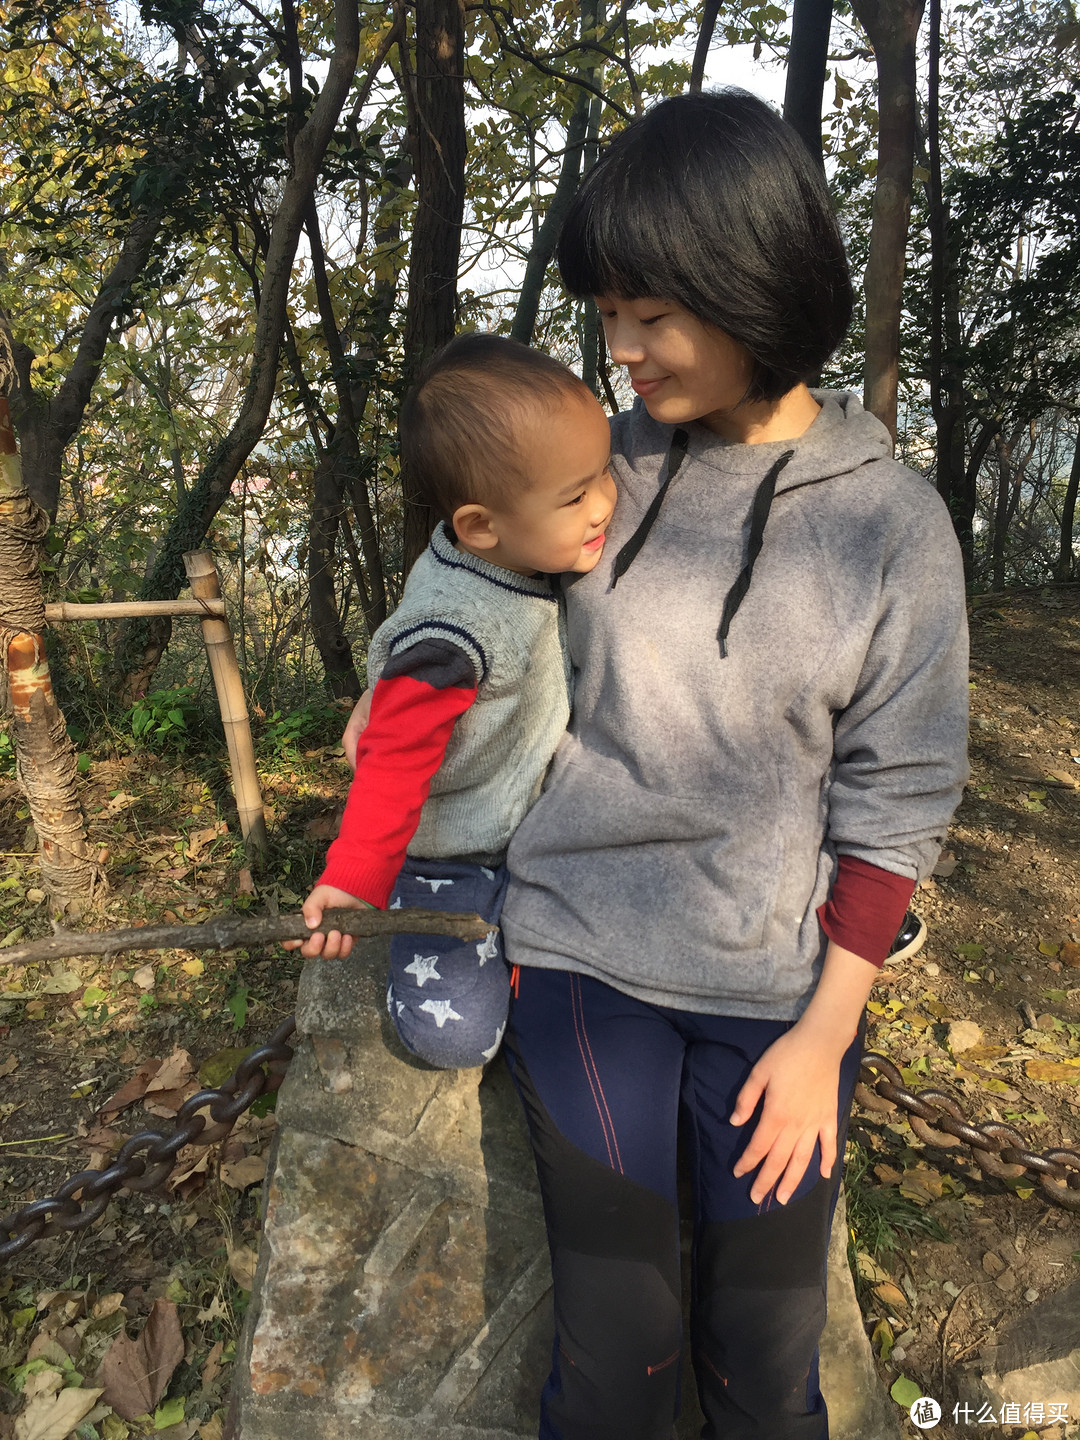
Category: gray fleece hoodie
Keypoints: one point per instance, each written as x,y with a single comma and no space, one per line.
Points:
691,821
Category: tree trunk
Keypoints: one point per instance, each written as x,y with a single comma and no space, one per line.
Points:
1064,569
701,50
45,758
1002,498
47,426
811,21
435,93
142,644
892,27
947,400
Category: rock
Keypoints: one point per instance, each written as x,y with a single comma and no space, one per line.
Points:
1046,1022
1036,1358
963,1035
403,1288
932,969
1006,1280
1031,1296
993,1264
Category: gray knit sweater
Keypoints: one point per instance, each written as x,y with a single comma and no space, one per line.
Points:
691,821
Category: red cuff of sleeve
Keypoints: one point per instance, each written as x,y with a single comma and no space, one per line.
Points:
865,909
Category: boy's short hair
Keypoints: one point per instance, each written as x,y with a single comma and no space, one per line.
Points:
460,423
714,202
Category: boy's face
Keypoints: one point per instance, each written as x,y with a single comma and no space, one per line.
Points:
558,521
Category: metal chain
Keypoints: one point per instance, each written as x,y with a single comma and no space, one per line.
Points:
144,1161
998,1149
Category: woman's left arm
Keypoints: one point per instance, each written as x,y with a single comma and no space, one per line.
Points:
799,1079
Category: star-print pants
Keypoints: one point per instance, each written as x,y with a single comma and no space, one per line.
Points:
448,998
605,1080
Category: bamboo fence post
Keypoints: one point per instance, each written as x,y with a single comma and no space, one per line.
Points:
221,652
45,758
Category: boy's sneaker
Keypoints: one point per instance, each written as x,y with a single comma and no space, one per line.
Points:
910,938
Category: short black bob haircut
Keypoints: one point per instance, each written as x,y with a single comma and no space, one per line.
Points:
714,202
461,424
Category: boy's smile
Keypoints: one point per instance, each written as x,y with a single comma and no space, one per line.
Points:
559,517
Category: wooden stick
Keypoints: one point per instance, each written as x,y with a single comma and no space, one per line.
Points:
221,652
227,931
130,609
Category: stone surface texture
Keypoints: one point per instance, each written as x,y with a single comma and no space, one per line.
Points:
403,1288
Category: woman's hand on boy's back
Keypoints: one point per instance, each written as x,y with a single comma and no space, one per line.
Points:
331,945
798,1081
356,726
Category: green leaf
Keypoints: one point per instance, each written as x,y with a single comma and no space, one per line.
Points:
93,995
905,1392
169,1412
971,951
238,1005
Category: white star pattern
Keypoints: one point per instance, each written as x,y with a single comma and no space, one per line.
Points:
396,905
490,1054
400,1007
423,967
423,880
442,1011
489,873
487,949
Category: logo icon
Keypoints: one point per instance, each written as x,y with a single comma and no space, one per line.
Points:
925,1412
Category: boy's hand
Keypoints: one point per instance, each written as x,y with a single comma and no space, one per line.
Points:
333,946
799,1076
355,728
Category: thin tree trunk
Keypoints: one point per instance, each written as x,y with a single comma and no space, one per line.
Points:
1002,497
46,763
1064,569
811,21
435,93
701,50
142,644
892,27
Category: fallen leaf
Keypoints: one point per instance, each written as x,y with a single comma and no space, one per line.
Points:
1069,954
52,1417
120,801
192,1160
891,1295
242,1262
107,1305
10,1065
177,1070
1049,947
946,864
921,1184
144,977
132,1090
888,1175
217,1069
213,1429
905,1392
1053,1070
216,1310
168,1102
869,1269
194,968
212,1369
137,1372
248,1171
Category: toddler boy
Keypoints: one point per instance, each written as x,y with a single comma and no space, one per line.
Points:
470,676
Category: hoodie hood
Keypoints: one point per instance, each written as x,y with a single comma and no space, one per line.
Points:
841,438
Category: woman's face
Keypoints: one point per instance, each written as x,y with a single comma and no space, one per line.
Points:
683,368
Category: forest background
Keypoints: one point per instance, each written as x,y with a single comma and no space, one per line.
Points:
231,231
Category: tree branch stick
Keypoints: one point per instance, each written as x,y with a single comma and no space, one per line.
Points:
128,609
226,932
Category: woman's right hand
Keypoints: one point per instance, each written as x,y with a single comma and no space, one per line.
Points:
355,728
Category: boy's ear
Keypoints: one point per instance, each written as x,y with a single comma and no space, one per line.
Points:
472,526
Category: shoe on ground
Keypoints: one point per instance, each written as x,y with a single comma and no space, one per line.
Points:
910,938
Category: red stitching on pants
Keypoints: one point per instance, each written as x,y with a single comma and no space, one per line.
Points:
712,1367
515,980
596,1072
588,1073
652,1369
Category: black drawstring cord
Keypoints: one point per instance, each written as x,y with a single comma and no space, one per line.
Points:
759,514
625,558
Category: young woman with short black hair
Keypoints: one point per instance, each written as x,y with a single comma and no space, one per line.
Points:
767,745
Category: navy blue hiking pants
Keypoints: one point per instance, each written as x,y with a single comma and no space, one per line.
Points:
448,997
604,1079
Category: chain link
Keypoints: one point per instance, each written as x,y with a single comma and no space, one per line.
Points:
998,1149
145,1160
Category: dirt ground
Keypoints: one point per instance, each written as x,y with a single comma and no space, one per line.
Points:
990,1010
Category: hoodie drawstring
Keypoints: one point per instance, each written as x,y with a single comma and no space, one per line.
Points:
759,515
625,558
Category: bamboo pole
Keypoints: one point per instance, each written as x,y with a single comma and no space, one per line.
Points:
45,757
221,652
130,609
